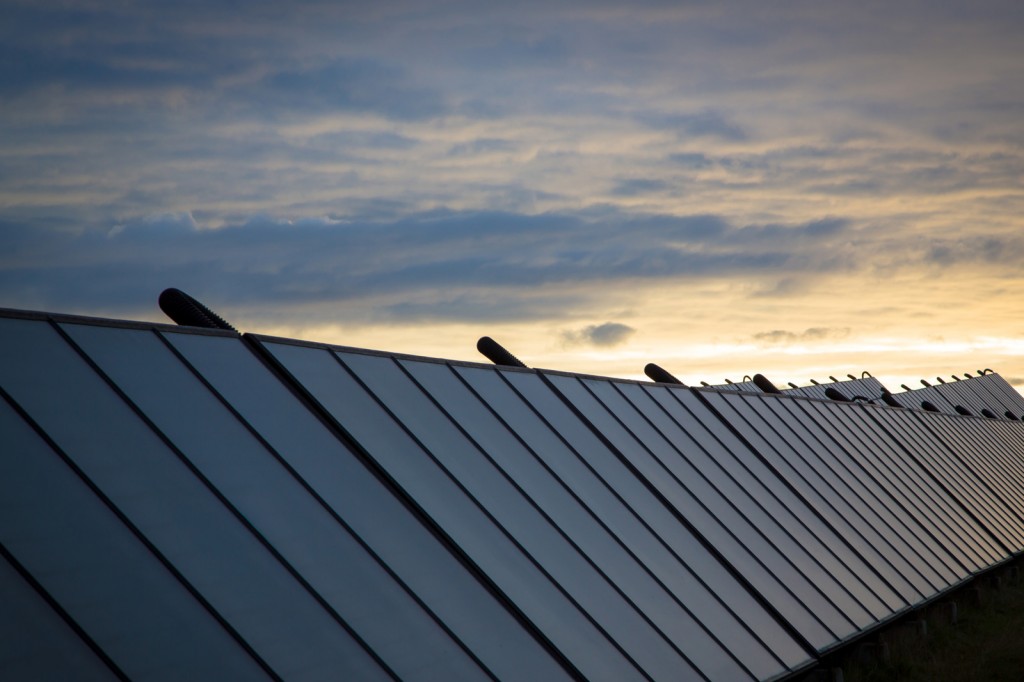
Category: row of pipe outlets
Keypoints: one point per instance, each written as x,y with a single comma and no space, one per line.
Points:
186,310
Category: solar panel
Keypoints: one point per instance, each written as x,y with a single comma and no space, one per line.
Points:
182,503
813,464
866,388
468,520
69,532
361,502
967,546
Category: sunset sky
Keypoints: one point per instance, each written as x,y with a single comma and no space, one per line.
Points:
797,188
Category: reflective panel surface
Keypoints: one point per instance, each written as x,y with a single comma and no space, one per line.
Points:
182,516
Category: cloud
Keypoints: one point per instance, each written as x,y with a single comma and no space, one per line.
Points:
482,146
463,258
982,249
360,85
604,335
708,123
638,186
810,335
691,160
403,163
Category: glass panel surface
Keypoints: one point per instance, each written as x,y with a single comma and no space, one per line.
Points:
906,482
666,608
35,641
978,444
537,533
1009,435
658,539
1010,398
904,479
781,437
175,510
676,557
842,480
370,509
947,459
99,572
654,458
275,503
678,500
907,454
443,500
858,470
693,431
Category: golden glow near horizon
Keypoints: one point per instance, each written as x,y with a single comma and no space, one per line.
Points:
726,333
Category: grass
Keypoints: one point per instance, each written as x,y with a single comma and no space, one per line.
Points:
986,644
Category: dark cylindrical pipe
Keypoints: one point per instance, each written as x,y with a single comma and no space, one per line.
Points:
764,384
889,400
660,374
496,353
187,311
833,394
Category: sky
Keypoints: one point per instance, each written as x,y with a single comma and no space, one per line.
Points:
800,189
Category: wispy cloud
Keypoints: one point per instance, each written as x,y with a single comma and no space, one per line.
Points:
810,335
275,261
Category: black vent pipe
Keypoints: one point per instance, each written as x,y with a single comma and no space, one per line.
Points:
660,374
889,400
833,394
496,353
187,311
762,383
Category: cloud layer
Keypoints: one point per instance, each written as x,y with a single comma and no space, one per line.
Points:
724,171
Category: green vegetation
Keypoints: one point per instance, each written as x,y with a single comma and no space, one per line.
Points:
986,644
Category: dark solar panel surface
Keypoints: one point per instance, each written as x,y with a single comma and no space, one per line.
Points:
180,504
989,392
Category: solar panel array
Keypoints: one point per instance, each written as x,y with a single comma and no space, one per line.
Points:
866,388
746,386
986,395
184,503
